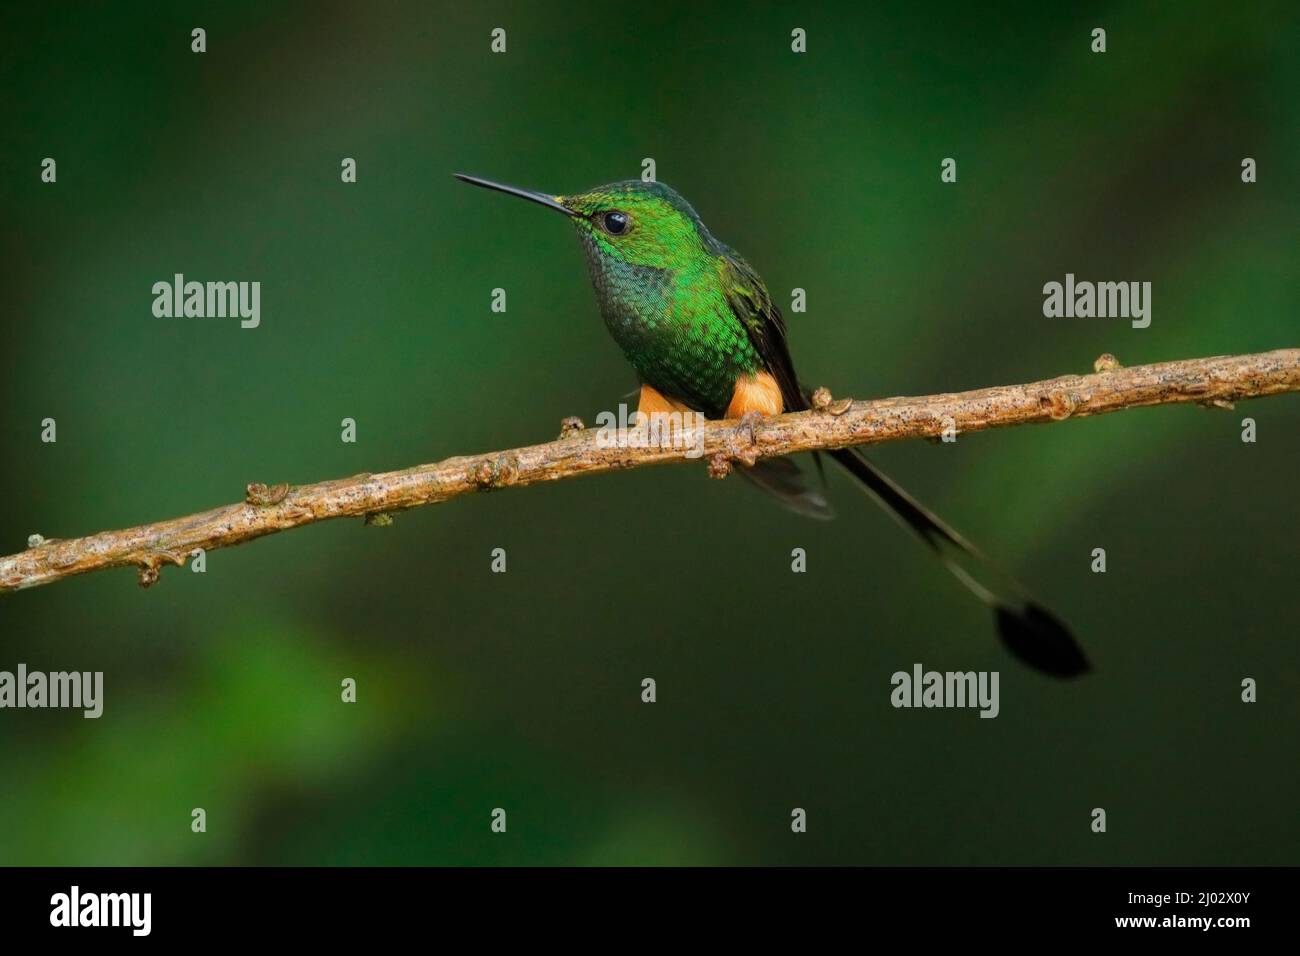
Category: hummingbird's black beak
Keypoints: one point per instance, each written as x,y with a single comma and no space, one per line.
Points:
550,202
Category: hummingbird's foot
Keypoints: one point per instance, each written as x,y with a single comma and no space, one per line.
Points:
746,423
743,446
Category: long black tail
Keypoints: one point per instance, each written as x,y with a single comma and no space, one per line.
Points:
1030,631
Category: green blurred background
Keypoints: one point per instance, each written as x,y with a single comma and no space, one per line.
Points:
522,690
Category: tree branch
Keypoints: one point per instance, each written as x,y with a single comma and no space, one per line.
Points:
1211,381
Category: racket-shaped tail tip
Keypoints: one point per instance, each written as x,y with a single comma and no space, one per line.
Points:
1037,637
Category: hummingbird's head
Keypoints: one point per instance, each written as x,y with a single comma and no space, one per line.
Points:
642,224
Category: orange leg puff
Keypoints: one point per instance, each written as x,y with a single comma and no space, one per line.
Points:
653,401
755,394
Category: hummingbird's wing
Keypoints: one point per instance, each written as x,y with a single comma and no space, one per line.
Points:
753,306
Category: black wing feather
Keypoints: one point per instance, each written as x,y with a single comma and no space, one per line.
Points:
753,306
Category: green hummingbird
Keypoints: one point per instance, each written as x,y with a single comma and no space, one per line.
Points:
702,333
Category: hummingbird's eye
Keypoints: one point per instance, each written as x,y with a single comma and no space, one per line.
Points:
615,222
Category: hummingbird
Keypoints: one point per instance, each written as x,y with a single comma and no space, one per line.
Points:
703,334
